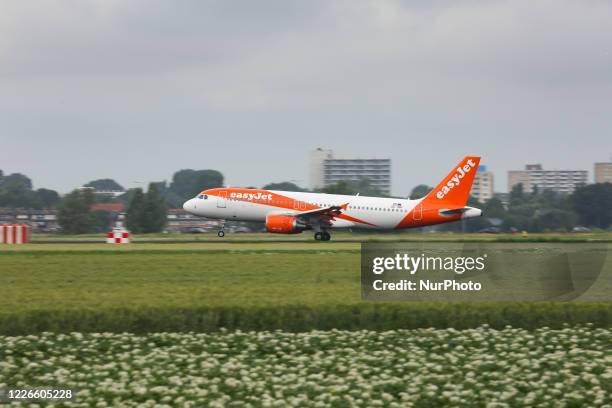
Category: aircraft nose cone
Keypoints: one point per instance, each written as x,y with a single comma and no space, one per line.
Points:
188,205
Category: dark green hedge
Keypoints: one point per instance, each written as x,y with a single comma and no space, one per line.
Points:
373,316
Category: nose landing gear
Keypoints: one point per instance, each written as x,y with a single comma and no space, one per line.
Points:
322,236
221,232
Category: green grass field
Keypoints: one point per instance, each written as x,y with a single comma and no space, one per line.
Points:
204,286
93,276
133,318
338,236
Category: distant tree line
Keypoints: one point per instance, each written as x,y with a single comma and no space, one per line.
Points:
540,210
76,217
589,206
146,212
105,184
16,192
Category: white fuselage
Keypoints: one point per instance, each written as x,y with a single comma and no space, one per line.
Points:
360,212
288,212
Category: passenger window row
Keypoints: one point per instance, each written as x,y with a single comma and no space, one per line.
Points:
350,207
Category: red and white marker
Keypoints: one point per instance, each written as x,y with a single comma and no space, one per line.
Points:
14,234
118,236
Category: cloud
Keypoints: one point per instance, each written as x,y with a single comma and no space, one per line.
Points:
383,51
402,75
239,59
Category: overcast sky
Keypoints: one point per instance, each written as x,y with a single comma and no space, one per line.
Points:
135,90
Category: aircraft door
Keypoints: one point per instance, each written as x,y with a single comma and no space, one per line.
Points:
222,199
417,213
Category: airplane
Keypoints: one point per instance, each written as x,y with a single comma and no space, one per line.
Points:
290,212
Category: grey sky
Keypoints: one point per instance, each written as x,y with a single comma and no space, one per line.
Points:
135,90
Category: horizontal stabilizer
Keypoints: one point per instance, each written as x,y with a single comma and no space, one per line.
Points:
454,211
465,212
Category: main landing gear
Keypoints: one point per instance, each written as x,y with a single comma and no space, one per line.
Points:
322,236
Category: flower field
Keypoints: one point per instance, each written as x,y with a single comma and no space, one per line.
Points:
569,367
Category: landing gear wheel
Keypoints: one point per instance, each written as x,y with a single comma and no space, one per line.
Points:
326,236
318,236
221,234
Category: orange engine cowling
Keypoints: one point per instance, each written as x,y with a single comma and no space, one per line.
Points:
284,224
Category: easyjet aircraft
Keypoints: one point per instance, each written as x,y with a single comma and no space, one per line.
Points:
289,212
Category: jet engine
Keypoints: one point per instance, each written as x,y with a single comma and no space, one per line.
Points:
284,224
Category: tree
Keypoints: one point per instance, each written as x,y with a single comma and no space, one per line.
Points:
172,199
105,185
593,203
420,191
47,198
135,211
555,220
126,197
16,191
517,195
188,183
494,209
341,187
101,220
516,221
365,187
16,181
74,215
283,186
540,210
155,211
352,187
146,212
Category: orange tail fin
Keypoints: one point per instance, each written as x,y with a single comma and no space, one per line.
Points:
454,190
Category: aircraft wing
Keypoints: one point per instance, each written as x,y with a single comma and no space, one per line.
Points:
325,214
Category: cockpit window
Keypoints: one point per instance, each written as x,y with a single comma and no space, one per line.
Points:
203,197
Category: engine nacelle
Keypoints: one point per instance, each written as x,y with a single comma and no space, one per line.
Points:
284,224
